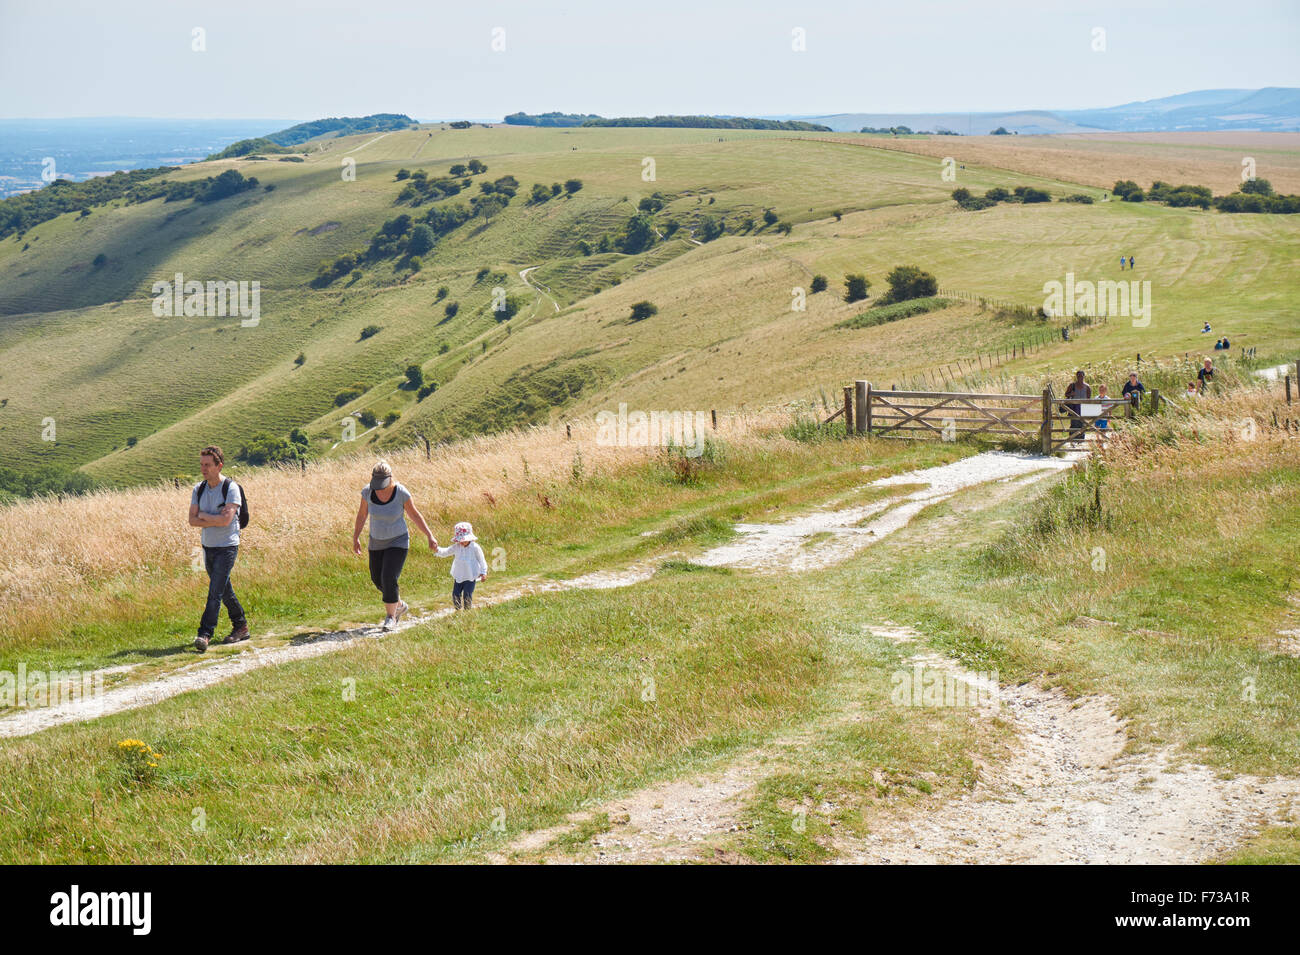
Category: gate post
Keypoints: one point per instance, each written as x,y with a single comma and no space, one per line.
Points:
848,411
860,391
1046,431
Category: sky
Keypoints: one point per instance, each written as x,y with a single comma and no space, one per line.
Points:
480,60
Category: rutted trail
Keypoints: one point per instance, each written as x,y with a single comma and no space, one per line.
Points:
1069,795
761,545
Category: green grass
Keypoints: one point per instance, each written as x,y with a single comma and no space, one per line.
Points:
81,346
881,314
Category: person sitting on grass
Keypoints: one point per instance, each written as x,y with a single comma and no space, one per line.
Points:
468,566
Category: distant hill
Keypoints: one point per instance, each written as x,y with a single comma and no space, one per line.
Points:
1272,109
670,122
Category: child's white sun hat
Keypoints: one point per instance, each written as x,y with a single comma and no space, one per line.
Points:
463,533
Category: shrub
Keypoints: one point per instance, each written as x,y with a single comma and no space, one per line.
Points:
643,310
301,359
476,167
444,348
909,282
421,240
356,275
1259,187
572,185
855,288
403,174
369,331
450,309
425,391
416,263
769,217
367,418
997,194
539,194
839,214
414,377
391,418
443,292
650,204
709,228
818,284
1079,197
130,442
784,228
99,261
347,395
584,247
1035,195
962,196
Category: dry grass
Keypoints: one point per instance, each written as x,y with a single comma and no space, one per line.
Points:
62,553
1206,159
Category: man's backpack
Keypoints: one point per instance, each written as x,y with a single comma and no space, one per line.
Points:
225,492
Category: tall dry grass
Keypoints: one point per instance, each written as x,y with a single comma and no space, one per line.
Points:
59,553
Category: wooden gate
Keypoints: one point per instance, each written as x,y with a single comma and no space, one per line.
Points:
1051,422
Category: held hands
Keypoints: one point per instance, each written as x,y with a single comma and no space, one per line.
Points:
433,542
482,577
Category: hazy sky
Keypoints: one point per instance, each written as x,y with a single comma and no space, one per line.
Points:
434,60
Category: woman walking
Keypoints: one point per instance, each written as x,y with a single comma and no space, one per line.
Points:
385,503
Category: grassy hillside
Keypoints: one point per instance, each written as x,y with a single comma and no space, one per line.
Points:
79,343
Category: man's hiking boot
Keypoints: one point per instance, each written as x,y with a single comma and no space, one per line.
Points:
238,634
201,643
401,609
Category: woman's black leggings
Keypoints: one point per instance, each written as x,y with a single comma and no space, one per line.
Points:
385,568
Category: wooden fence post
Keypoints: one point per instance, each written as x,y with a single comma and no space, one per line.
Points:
1046,432
1155,400
714,412
869,409
860,391
848,411
1288,389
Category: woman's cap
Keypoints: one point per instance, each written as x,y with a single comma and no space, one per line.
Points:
381,476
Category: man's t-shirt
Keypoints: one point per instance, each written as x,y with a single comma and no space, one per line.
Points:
1133,392
209,502
1076,390
1206,375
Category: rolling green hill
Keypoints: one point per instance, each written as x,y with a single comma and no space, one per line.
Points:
80,343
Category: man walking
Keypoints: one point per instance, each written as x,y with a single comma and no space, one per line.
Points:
214,506
1077,389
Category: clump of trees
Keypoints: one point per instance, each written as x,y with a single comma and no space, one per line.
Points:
908,282
265,448
1026,194
855,287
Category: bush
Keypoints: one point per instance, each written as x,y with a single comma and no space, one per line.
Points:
356,275
997,194
855,288
709,229
1079,197
301,359
425,391
130,442
369,331
421,240
908,282
391,418
1258,187
539,194
367,418
818,284
443,292
416,263
962,196
1034,195
784,228
450,309
444,348
99,261
572,185
347,395
414,377
643,310
769,217
1125,186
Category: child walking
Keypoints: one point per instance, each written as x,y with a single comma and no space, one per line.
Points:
468,566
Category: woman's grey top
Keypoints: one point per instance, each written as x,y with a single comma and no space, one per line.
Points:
387,524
